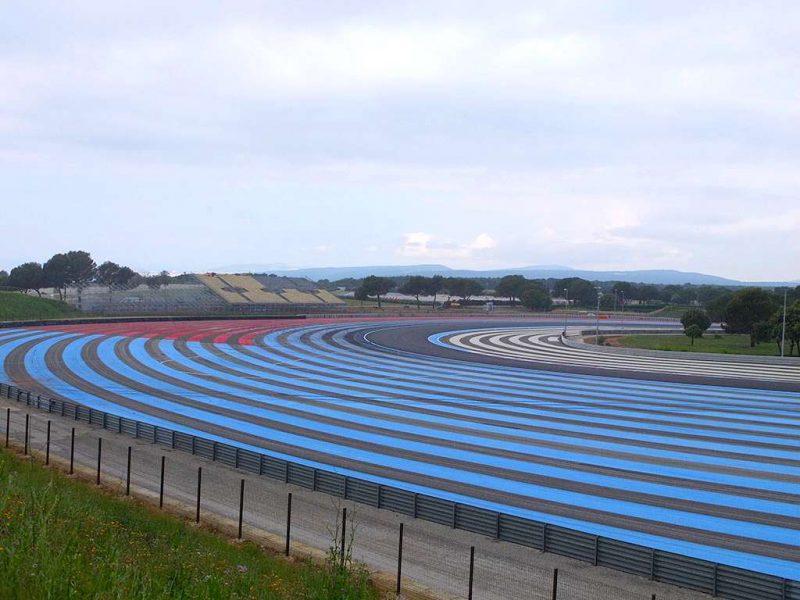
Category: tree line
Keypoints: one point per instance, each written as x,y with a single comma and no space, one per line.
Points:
530,293
75,268
580,293
755,312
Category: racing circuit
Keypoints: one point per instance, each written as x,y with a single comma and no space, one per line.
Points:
694,457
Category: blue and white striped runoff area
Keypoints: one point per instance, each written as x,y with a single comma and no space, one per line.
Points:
546,347
709,471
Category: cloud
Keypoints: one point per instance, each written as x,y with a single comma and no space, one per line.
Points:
424,246
621,135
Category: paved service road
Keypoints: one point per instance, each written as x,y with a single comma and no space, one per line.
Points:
659,459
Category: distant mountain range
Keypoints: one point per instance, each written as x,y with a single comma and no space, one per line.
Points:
652,276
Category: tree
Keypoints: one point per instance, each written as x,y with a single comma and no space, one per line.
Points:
110,274
580,291
462,287
536,297
360,294
693,331
154,282
3,278
81,267
107,272
76,267
716,308
792,335
56,273
623,291
27,276
435,285
511,287
415,286
376,286
762,332
695,317
748,307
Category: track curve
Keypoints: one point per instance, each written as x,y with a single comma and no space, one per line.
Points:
708,471
534,345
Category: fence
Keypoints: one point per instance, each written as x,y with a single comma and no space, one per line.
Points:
703,576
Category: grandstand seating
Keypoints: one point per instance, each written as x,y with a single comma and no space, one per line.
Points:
297,297
174,298
209,294
327,297
222,289
252,289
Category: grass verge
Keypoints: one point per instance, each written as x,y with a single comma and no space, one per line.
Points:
15,306
60,538
721,343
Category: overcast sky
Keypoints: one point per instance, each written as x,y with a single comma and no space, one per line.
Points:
607,135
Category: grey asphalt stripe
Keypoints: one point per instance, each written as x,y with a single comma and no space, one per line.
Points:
575,413
654,399
550,482
531,458
415,342
460,394
212,365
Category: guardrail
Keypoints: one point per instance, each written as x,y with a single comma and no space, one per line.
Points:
705,576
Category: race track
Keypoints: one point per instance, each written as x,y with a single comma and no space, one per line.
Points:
649,454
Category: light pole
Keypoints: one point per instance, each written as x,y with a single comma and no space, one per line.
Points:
783,330
622,325
566,296
597,318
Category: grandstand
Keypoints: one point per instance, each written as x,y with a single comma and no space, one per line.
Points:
210,293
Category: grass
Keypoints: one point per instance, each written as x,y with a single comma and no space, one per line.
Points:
721,343
15,306
60,538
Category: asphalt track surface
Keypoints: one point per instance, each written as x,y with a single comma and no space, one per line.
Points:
662,459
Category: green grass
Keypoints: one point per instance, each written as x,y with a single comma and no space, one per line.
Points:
721,343
15,306
61,538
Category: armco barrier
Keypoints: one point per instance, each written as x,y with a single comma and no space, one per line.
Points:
718,580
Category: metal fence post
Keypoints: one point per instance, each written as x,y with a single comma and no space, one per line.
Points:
27,428
199,485
399,558
471,570
555,584
8,424
99,454
47,450
714,583
241,507
344,528
288,522
128,474
72,452
161,485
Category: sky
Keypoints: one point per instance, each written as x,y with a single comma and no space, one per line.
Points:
599,135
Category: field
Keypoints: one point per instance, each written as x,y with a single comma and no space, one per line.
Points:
60,538
712,343
17,307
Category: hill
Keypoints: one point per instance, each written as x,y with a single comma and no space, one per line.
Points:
15,306
649,276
